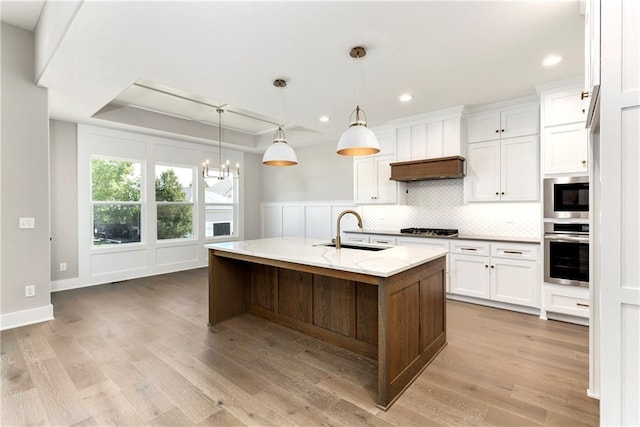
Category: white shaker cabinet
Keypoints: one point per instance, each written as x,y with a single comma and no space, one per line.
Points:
564,137
565,149
371,181
497,271
503,170
506,123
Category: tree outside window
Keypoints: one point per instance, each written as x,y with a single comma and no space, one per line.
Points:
116,201
174,197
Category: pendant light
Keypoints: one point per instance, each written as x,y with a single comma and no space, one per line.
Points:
223,172
280,153
358,140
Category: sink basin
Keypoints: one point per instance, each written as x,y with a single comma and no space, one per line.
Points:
352,246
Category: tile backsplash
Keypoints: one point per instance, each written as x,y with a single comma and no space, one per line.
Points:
440,204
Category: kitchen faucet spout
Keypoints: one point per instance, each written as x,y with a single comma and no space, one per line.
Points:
343,213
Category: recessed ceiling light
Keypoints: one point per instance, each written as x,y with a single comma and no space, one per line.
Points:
551,60
324,119
406,97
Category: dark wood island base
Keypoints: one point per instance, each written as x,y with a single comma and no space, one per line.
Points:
398,320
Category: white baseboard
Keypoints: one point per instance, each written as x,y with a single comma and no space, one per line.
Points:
26,317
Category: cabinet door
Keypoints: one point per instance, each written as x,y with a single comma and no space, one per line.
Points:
515,282
386,188
519,169
483,126
469,275
403,144
482,183
564,107
434,139
565,149
452,144
519,121
365,180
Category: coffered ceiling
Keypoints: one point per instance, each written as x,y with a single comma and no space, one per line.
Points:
114,57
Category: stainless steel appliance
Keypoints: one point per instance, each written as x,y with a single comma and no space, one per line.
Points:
431,232
566,197
566,254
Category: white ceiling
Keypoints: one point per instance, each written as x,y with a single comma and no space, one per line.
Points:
445,53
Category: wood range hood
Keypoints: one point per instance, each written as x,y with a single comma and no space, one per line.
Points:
421,170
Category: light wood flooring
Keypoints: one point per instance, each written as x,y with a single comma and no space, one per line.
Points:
140,353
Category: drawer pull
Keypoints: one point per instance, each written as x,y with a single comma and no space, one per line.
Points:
468,249
579,304
513,252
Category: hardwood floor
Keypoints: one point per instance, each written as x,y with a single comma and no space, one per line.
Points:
140,353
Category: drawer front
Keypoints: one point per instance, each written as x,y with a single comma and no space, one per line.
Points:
382,239
572,301
357,238
515,251
425,242
470,247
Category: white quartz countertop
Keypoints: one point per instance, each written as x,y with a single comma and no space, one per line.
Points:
383,263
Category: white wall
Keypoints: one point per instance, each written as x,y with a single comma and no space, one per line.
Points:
320,174
64,199
25,179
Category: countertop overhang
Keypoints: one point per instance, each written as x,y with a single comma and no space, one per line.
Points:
383,263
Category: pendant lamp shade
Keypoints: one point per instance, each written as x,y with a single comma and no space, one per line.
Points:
280,153
358,140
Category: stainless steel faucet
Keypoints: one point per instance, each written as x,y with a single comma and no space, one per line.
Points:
343,213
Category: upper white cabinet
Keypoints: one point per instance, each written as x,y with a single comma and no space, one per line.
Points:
430,136
564,137
564,106
505,123
503,170
565,149
371,175
503,154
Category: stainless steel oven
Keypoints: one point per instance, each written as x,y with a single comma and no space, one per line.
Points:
566,254
566,197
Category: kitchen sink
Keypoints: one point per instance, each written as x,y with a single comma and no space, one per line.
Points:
352,246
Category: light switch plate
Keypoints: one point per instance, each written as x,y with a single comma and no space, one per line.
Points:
27,223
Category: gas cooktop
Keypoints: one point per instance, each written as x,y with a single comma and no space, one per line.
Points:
436,232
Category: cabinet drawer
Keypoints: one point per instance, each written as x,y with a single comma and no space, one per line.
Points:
382,239
422,241
470,247
569,300
515,251
357,238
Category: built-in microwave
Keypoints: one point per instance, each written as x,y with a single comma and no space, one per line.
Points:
566,197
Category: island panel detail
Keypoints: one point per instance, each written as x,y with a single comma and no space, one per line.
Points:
398,320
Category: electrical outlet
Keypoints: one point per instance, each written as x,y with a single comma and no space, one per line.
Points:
29,291
26,223
63,266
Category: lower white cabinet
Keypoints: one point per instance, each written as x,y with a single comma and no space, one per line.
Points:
382,239
570,300
504,272
356,238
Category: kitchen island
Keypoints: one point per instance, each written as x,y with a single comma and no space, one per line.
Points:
387,305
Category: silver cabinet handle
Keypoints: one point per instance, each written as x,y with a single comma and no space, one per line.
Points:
582,305
566,238
513,252
468,249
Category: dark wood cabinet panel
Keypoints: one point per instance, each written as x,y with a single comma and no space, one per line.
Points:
432,306
404,320
295,294
334,305
263,286
367,313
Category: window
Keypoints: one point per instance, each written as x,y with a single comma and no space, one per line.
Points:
221,206
174,199
116,201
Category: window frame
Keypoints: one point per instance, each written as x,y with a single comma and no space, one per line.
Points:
141,202
194,203
235,205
